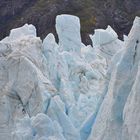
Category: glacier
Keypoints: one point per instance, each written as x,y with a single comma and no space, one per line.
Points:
67,90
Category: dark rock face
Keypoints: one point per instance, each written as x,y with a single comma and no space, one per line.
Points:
93,14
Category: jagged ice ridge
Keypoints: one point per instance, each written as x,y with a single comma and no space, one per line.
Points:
69,91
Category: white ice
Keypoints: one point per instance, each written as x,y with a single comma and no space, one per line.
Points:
69,91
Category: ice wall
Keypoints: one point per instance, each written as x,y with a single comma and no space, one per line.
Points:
106,43
114,120
53,91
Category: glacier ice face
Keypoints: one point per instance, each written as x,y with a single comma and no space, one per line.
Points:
45,127
22,59
16,34
106,42
68,30
23,129
102,36
68,91
114,120
55,80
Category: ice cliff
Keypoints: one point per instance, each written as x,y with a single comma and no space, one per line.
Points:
66,90
118,117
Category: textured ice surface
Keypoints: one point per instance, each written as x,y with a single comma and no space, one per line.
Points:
106,43
68,30
53,91
16,34
102,36
114,120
